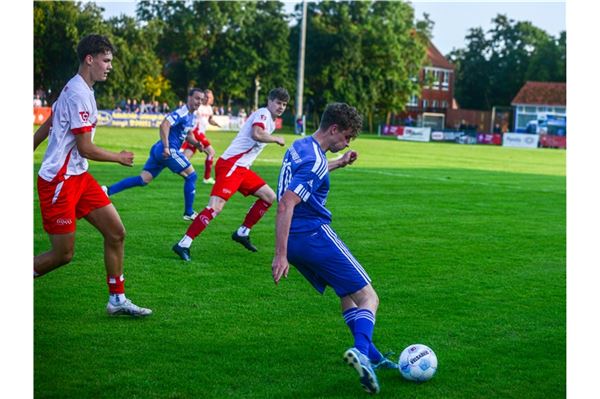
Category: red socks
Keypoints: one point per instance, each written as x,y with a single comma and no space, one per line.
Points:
208,167
200,223
116,284
255,213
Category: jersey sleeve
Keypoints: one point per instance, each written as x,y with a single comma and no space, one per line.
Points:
80,111
260,118
175,117
308,177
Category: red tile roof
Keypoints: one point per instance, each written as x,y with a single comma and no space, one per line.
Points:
436,58
542,93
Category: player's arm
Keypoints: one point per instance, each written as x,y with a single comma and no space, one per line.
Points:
347,159
285,210
165,127
89,150
42,133
259,134
213,122
190,138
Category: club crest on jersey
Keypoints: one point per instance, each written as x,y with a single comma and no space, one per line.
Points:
263,117
84,115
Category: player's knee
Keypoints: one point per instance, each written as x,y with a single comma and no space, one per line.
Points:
116,235
64,255
267,195
368,298
146,178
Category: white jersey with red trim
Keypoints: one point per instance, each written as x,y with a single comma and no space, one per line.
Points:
203,113
244,149
73,113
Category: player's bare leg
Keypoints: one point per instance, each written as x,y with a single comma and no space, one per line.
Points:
188,153
108,222
63,246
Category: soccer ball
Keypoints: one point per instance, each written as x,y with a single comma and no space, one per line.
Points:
417,363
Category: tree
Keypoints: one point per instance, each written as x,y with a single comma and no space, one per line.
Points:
137,70
362,53
494,66
58,27
472,73
222,45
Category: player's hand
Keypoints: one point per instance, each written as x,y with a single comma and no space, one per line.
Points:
279,268
349,157
166,153
279,140
126,158
199,146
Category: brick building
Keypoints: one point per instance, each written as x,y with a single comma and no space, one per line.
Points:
437,94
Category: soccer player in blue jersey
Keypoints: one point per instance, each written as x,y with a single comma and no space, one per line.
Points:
176,127
305,239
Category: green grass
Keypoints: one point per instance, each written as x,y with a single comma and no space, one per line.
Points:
466,246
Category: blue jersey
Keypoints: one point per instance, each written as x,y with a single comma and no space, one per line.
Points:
305,172
182,121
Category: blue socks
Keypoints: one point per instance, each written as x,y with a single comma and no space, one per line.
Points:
361,323
126,183
189,192
189,189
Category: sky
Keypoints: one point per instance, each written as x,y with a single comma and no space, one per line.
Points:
453,19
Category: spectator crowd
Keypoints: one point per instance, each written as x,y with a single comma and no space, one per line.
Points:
141,107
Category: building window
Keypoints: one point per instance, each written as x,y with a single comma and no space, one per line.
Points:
444,104
522,120
434,104
426,78
413,101
436,80
445,80
425,104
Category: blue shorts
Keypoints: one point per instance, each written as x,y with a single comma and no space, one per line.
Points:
323,259
176,162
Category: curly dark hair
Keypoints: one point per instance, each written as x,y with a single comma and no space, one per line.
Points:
93,45
343,115
280,94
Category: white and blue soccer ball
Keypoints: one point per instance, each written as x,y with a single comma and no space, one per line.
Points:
417,363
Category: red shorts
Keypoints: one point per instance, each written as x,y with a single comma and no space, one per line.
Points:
201,137
231,178
64,202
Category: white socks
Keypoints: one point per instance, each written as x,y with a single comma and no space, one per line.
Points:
185,242
243,231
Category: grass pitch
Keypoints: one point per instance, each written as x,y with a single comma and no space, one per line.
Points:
466,246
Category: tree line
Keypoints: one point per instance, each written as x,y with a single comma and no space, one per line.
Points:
366,53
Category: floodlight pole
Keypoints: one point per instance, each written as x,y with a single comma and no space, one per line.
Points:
300,78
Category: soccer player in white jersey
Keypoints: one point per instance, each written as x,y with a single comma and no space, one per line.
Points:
305,239
204,116
233,174
67,191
